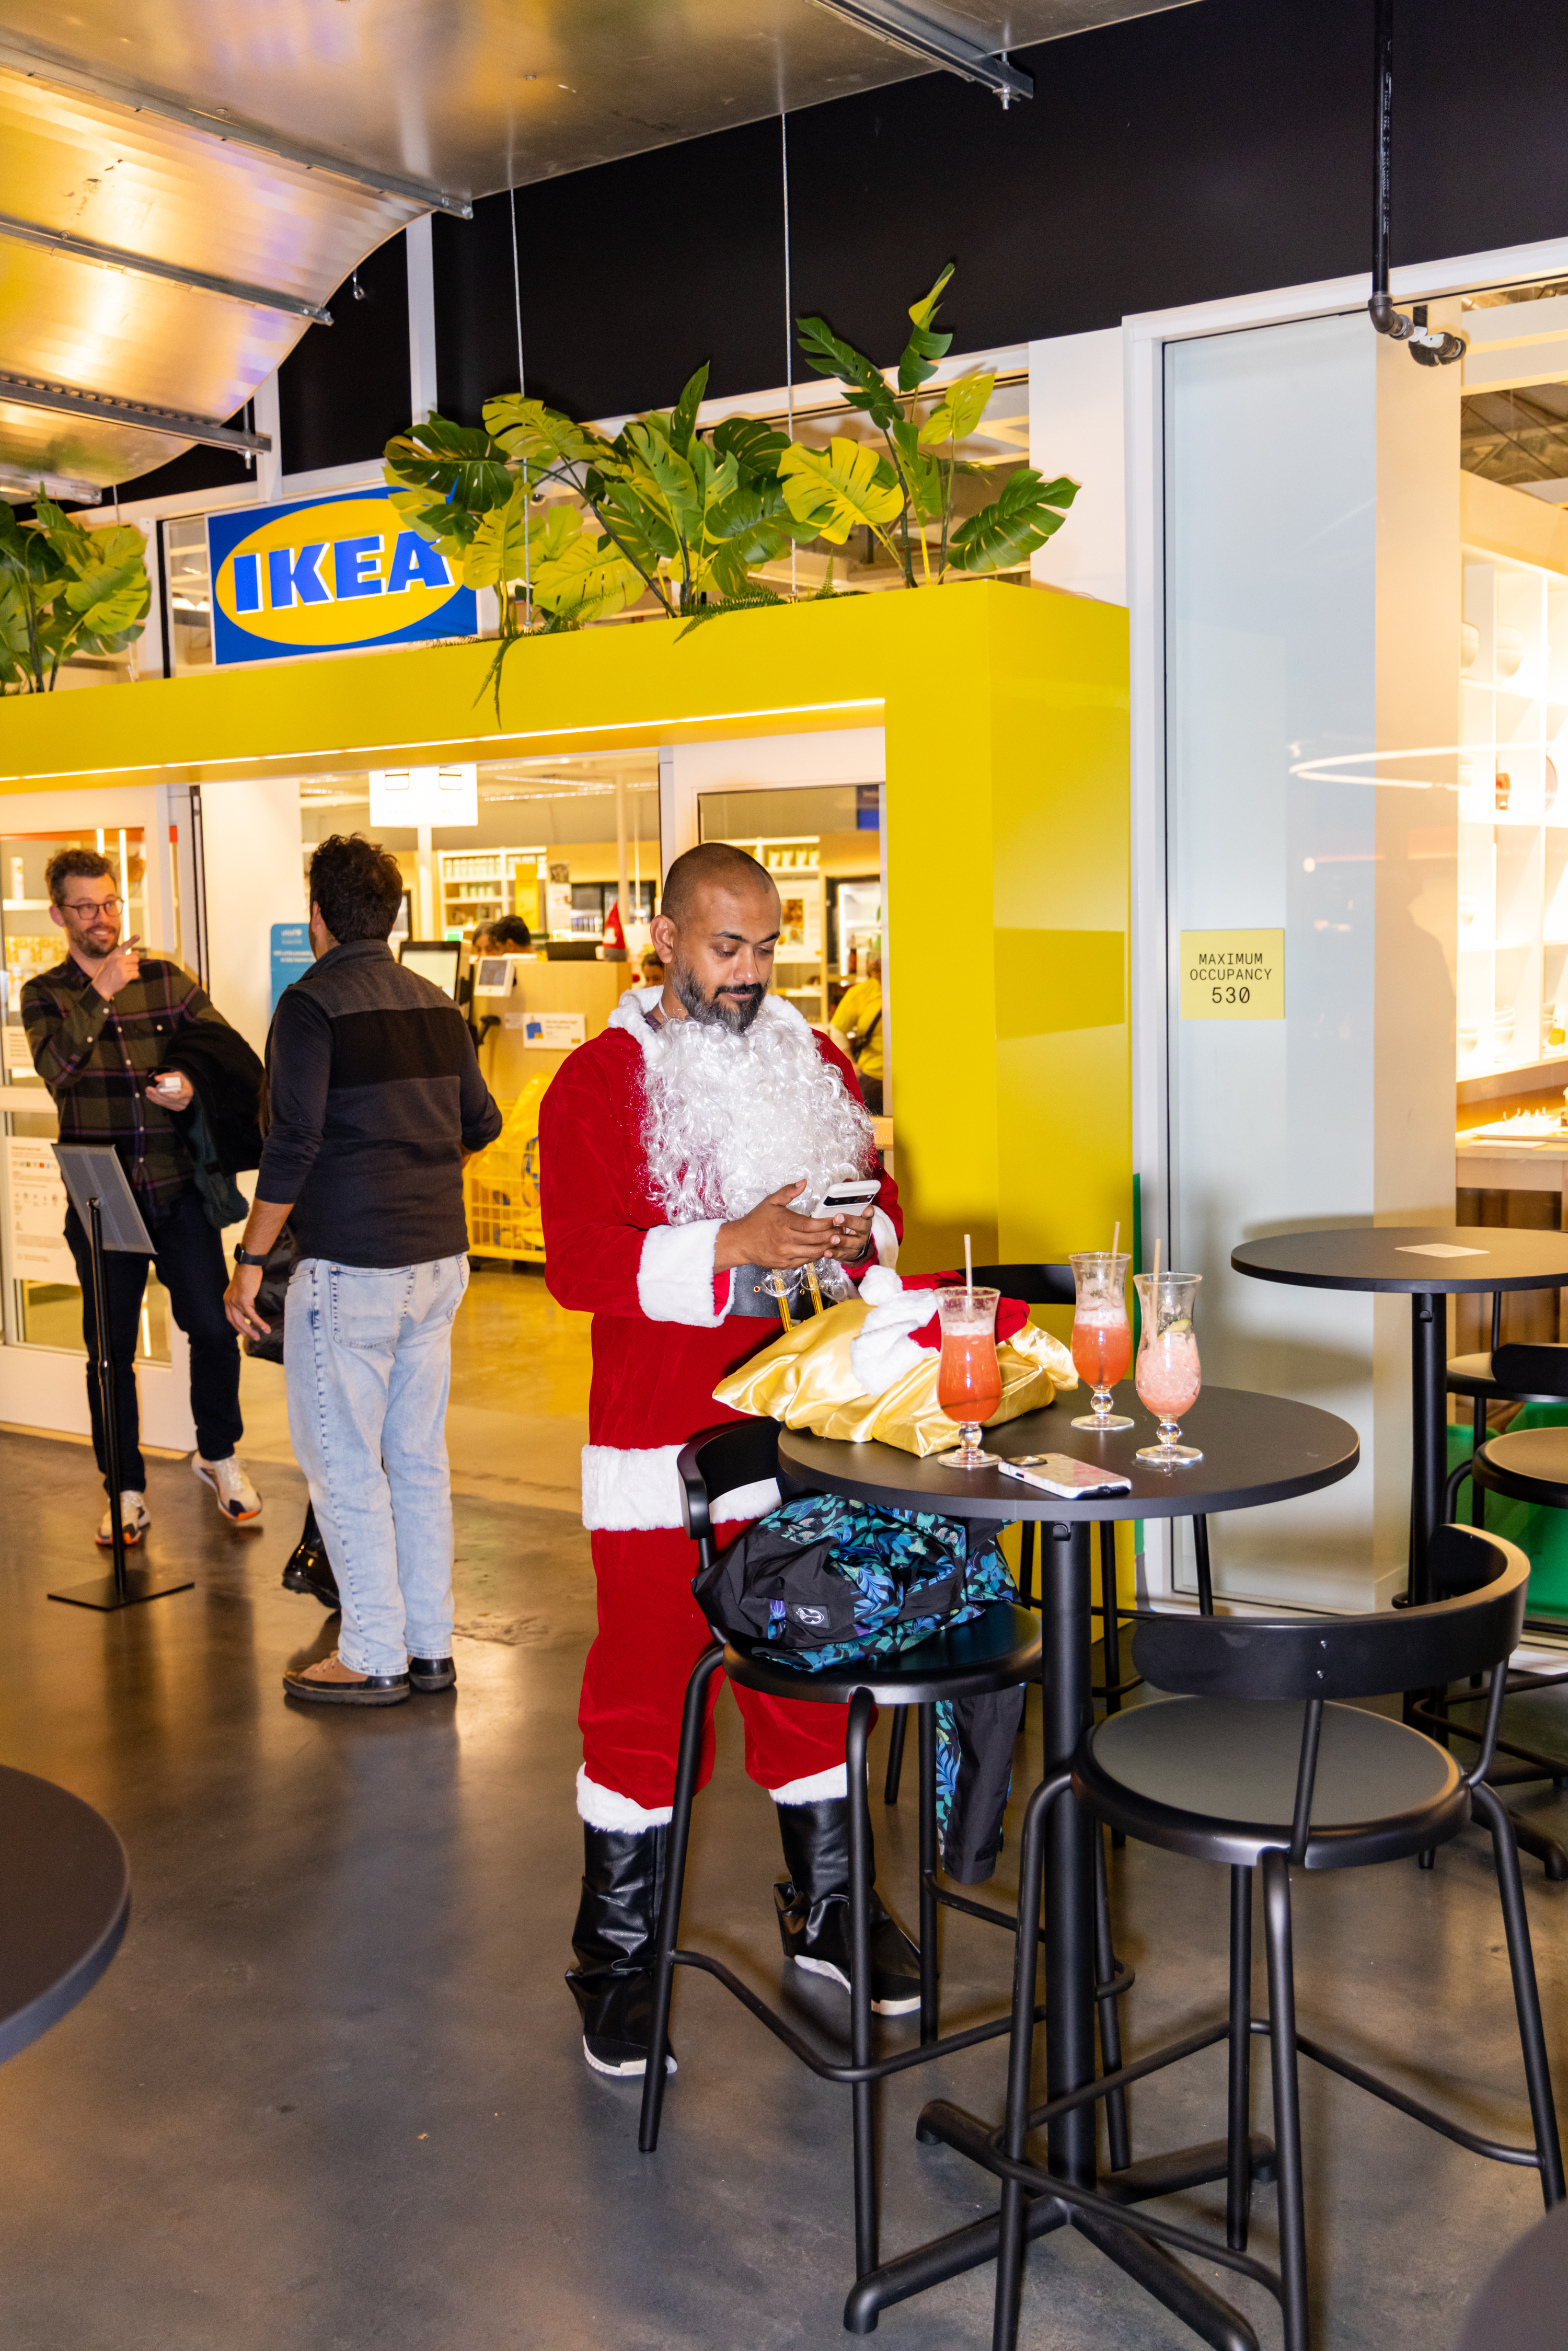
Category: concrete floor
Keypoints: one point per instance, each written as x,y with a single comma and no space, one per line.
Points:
331,2095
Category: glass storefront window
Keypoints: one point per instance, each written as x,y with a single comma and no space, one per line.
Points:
189,595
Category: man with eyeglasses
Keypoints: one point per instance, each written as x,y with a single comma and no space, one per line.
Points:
100,1027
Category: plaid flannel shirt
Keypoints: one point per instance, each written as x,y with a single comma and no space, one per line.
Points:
96,1058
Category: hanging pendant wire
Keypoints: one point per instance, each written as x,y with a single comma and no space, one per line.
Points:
522,388
788,305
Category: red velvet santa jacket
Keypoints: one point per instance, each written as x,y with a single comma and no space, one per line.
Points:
663,1334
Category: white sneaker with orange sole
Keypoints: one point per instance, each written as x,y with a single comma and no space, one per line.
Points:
238,1500
134,1519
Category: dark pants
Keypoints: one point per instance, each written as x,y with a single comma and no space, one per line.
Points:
189,1257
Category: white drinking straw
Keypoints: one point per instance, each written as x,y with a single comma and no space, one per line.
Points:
1116,1240
1157,1262
968,1269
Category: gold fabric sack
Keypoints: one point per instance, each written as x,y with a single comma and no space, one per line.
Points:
805,1380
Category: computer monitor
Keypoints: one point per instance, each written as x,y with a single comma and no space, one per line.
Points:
434,959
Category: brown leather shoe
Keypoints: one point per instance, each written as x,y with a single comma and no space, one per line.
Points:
330,1682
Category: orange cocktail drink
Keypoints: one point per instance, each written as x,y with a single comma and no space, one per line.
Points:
968,1381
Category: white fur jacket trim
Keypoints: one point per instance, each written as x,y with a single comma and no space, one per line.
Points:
675,1276
629,1489
602,1808
815,1788
882,1350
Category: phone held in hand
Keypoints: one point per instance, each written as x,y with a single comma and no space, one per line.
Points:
1059,1473
848,1199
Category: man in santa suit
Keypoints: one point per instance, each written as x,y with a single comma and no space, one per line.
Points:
671,1149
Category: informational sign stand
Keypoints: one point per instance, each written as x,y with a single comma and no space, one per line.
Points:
103,1200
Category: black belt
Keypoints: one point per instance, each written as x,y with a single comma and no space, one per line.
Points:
750,1292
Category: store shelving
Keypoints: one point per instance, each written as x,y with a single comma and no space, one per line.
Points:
479,885
1514,816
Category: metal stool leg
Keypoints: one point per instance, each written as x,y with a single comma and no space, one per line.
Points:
1477,1438
1118,2136
1238,2156
1526,1997
1205,1581
1026,1563
896,1754
862,2094
1109,1625
929,1906
1287,2098
693,1717
1020,2060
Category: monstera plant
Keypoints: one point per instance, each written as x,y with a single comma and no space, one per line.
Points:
906,498
64,590
568,526
662,509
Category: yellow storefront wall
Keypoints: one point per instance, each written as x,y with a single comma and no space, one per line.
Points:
1006,719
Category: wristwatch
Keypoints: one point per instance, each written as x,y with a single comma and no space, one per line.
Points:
250,1257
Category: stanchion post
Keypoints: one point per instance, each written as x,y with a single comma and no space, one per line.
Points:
107,1402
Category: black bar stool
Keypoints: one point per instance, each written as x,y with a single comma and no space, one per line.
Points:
1526,1464
994,1651
1479,1377
1258,1763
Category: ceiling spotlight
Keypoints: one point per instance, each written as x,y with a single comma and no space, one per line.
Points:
901,28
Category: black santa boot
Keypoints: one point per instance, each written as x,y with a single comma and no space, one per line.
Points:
814,1908
308,1569
617,1927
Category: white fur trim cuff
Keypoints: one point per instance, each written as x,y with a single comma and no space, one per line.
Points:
628,1489
675,1277
602,1808
744,1501
817,1788
886,1240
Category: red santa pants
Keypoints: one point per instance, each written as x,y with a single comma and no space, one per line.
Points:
651,1635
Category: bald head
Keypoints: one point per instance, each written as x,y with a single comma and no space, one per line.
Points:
712,862
717,929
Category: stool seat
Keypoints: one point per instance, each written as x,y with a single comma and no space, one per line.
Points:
995,1650
1528,1458
1216,1779
1472,1375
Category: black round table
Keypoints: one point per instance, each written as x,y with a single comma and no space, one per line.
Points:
1256,1449
67,1888
1427,1263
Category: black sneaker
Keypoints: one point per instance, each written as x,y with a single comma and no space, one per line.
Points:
432,1673
618,2025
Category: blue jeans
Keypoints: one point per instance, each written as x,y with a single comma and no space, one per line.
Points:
367,1351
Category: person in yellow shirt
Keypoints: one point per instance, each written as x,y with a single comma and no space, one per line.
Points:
857,1027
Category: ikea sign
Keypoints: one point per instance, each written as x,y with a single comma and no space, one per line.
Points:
328,576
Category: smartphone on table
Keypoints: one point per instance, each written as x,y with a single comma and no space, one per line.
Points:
1059,1473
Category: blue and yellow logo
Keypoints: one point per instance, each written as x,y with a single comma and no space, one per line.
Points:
326,576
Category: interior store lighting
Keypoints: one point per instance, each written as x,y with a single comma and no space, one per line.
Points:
901,28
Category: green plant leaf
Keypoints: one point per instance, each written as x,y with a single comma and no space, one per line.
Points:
683,423
585,577
456,461
755,447
450,527
1022,518
865,387
749,598
502,547
527,429
835,488
924,349
960,409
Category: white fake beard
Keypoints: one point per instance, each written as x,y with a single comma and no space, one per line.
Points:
731,1119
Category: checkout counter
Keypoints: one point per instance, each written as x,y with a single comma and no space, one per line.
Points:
527,1013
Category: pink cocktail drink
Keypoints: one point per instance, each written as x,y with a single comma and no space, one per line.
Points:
969,1378
1102,1348
968,1381
1101,1334
1170,1377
